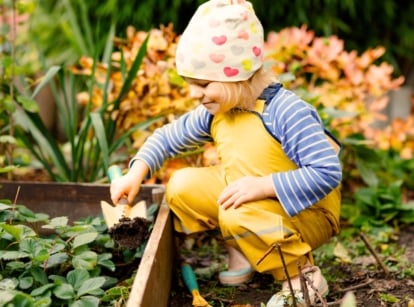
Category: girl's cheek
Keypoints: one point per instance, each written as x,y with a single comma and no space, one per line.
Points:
216,91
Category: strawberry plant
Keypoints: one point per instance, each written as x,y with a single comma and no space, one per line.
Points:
72,265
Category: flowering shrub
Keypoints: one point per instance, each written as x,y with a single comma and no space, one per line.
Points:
157,89
350,90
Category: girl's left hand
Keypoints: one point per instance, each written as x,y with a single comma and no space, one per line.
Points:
245,190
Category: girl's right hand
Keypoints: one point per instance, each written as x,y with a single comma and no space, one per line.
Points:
129,185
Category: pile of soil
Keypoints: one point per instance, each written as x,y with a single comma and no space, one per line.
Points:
130,233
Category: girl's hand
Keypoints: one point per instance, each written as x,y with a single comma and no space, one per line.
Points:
245,190
129,185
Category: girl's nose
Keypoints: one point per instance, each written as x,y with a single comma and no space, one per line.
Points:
196,91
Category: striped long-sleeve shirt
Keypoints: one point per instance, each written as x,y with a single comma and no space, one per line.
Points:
290,120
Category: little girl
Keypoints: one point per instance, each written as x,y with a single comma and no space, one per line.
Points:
278,181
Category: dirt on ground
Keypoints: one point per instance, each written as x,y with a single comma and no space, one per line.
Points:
366,279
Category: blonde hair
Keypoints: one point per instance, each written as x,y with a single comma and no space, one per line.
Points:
243,94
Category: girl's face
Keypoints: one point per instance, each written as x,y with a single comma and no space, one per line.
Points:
210,93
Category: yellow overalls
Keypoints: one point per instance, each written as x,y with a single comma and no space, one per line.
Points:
247,149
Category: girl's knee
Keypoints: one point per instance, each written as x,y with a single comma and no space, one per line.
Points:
178,183
229,220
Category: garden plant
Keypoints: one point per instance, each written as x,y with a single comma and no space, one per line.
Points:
116,95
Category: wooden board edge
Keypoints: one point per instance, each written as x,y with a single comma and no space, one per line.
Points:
155,266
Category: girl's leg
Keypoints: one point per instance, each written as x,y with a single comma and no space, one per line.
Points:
255,227
192,195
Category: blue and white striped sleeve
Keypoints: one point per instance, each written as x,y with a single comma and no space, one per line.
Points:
298,127
188,132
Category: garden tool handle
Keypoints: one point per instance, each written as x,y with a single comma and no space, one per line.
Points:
190,281
189,277
114,171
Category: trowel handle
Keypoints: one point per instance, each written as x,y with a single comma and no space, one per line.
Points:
189,277
114,171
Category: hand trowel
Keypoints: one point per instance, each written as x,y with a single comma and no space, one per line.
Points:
128,225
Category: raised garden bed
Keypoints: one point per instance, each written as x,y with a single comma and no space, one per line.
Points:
152,283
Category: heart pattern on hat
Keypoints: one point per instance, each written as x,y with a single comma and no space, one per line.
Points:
219,40
217,58
230,72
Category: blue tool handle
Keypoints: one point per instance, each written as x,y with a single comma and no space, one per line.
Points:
114,171
189,277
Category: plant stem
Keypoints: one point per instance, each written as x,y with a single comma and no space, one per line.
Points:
374,253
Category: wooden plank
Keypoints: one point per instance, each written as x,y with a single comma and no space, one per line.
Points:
152,283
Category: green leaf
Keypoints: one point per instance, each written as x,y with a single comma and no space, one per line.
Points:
56,259
84,238
26,282
86,301
77,277
28,104
14,230
22,300
37,138
100,133
12,255
86,260
16,265
57,279
42,289
104,260
61,221
64,291
43,301
132,72
36,249
90,285
4,207
45,80
389,298
57,247
39,275
367,173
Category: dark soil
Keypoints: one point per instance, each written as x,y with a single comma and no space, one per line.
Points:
130,233
366,279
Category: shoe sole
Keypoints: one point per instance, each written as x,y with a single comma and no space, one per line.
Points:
236,278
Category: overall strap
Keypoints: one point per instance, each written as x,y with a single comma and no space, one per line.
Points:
270,91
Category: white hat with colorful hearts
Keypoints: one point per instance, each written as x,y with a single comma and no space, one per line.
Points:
222,42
